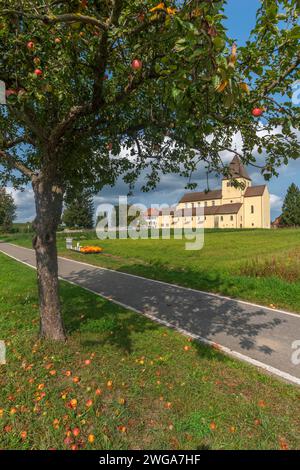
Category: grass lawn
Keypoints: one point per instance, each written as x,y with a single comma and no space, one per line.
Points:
143,386
257,265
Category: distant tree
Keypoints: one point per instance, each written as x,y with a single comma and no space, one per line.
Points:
79,211
7,210
133,214
291,207
136,214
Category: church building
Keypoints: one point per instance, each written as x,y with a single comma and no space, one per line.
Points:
246,206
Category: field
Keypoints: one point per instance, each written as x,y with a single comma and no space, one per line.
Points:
124,382
262,266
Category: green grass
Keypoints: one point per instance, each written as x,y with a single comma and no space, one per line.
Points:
257,265
167,392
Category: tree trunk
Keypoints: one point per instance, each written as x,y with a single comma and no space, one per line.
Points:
49,202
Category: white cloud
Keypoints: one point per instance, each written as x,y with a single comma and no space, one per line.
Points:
276,202
24,201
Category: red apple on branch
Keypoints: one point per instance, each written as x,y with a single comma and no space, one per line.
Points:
256,112
136,64
30,45
57,40
38,72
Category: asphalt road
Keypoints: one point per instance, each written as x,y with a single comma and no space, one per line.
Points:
259,335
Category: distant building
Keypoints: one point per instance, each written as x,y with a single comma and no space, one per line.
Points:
166,218
150,217
229,207
277,223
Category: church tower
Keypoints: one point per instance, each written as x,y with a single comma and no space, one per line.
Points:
231,194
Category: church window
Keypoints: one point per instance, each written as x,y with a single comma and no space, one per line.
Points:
252,209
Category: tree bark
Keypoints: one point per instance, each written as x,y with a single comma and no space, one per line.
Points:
49,202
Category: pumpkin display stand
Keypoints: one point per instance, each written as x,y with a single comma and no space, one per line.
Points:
86,250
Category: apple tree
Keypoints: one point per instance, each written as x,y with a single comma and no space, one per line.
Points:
86,79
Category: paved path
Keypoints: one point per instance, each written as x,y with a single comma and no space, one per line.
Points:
259,335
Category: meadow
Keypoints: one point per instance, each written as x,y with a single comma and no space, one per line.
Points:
261,266
122,381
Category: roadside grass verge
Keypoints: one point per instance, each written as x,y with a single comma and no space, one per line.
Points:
285,266
124,382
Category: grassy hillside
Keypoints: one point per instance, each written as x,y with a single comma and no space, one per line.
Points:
122,381
257,265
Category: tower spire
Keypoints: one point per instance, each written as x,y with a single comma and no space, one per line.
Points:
237,169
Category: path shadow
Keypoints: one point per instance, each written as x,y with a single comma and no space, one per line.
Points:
245,327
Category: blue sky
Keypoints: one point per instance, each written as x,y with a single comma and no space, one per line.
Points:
241,19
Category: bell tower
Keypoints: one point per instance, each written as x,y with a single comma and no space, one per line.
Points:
237,171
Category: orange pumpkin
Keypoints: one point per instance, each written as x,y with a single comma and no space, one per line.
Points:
91,249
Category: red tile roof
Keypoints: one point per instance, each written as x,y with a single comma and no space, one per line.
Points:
253,191
224,209
202,196
211,210
151,212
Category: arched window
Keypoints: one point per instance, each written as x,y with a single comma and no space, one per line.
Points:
252,209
